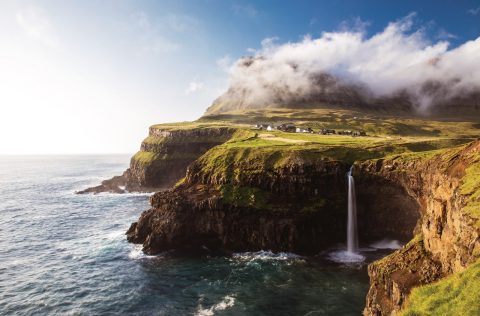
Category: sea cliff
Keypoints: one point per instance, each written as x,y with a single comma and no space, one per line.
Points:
164,157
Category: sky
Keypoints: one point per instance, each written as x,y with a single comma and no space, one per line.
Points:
82,77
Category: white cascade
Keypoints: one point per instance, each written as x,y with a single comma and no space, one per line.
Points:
352,234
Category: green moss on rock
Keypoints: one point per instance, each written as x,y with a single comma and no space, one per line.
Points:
144,157
244,196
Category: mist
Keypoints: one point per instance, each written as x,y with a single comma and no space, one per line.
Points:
399,59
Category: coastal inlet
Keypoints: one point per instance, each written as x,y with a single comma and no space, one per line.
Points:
69,254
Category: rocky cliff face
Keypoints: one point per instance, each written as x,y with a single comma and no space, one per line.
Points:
448,234
165,155
252,210
238,199
163,158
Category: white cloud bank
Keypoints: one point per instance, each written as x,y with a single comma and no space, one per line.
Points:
394,60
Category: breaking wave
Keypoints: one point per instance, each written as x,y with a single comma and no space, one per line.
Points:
227,302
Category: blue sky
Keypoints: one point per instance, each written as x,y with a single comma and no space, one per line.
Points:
91,76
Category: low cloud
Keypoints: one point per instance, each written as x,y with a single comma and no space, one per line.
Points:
194,87
397,59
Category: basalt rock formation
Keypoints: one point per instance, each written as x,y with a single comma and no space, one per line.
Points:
297,206
163,158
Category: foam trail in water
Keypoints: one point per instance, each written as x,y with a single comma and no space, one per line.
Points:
265,255
226,302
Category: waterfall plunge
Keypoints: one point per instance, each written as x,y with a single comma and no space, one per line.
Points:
351,255
352,234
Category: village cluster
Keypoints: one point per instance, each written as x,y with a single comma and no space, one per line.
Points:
291,128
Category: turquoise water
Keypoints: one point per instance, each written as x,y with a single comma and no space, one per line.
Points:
62,253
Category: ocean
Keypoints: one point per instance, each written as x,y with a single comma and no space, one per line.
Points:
62,253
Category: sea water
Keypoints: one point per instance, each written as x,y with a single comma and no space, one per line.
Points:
62,253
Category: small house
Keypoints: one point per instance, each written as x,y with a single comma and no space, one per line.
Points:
325,131
287,127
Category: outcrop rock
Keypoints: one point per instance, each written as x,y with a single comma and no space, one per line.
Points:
116,184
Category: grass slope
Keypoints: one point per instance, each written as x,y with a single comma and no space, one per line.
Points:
458,294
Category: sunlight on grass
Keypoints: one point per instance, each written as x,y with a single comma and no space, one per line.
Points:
458,294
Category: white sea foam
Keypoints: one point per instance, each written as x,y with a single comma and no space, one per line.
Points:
137,253
227,302
125,194
116,235
266,255
386,244
343,256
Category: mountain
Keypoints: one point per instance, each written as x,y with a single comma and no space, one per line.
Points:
325,90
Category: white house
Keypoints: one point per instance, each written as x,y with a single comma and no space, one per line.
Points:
301,130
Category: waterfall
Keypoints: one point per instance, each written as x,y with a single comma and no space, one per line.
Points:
352,235
352,254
